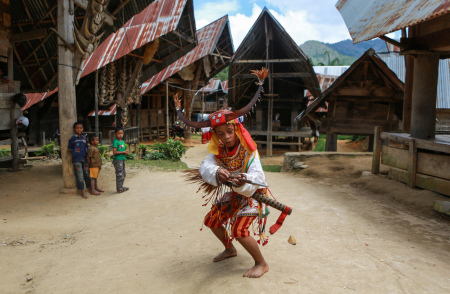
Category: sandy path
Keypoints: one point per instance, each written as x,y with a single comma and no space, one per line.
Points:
148,239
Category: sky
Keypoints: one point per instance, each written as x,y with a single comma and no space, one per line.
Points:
303,19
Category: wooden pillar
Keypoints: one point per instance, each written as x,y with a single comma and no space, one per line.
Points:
376,151
14,139
96,103
423,115
407,100
167,111
331,142
138,119
371,143
259,117
412,164
11,64
269,127
66,89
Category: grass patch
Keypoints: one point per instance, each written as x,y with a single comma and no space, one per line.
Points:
196,136
320,146
272,168
159,165
344,137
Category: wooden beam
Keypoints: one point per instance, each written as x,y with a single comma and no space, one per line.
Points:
37,47
378,92
270,60
393,42
84,3
277,75
183,36
30,35
118,8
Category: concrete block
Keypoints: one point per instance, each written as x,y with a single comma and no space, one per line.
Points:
442,206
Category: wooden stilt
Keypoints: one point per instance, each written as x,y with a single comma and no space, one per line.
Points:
376,151
406,120
167,111
96,103
423,115
331,142
66,90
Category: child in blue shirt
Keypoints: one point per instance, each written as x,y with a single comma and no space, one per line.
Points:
79,148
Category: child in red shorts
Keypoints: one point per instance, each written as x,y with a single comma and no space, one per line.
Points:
234,157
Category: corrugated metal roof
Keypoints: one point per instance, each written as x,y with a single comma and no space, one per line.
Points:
366,20
396,63
213,86
158,19
41,68
225,86
330,70
111,111
34,98
207,40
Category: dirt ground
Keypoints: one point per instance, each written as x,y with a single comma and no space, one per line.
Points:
354,234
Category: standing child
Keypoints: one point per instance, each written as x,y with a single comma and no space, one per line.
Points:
120,155
78,146
95,164
233,177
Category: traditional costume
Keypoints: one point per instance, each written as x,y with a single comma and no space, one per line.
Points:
234,207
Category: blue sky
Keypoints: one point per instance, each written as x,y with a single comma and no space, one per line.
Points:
303,19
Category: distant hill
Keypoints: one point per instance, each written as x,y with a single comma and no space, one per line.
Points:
340,53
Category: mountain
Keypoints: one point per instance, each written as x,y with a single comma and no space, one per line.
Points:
340,53
347,47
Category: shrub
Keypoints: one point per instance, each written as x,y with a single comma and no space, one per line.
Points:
131,156
171,149
47,150
154,155
4,152
143,150
102,149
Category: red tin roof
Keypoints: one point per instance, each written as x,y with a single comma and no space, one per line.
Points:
207,40
158,19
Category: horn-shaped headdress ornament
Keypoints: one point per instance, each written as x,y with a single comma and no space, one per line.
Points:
220,119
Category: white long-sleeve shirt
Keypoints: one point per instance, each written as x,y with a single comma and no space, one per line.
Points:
254,173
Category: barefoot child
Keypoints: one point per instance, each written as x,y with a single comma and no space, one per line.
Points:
78,147
233,178
120,155
95,164
234,153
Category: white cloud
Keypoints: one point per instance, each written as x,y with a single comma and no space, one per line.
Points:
299,24
241,24
211,11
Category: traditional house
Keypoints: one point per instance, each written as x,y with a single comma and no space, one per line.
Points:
367,95
212,97
267,44
185,77
419,156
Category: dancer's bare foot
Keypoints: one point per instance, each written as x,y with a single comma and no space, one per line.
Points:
99,190
257,271
227,253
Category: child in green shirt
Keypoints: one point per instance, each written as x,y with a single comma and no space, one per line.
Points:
120,155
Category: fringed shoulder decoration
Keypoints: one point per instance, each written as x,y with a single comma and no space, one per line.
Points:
211,192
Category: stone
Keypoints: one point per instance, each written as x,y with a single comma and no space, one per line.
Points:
366,174
298,165
442,206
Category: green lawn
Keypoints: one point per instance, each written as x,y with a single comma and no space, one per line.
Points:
159,165
272,168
